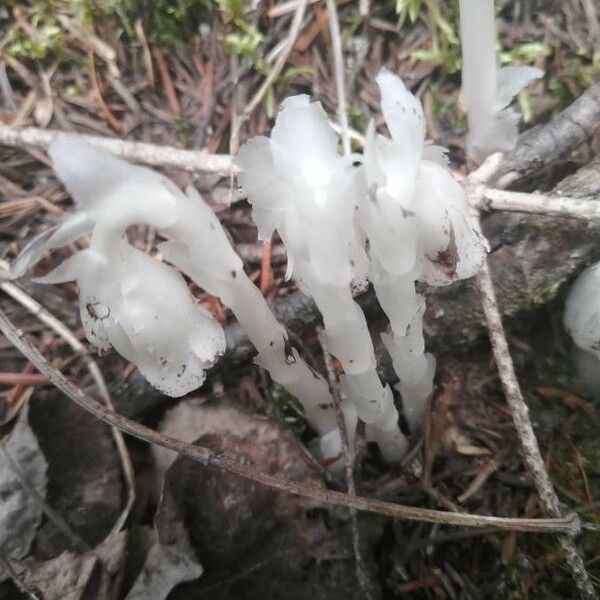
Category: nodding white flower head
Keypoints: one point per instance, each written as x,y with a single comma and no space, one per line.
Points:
298,183
414,213
582,311
128,300
143,309
105,189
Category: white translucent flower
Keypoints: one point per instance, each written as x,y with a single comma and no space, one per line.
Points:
415,215
582,311
298,184
143,309
128,300
105,188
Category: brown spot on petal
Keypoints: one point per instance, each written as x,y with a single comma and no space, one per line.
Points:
447,260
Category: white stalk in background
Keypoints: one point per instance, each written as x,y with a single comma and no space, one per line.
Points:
141,306
488,90
298,184
582,311
416,219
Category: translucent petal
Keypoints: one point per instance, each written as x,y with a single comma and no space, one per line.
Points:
60,235
303,141
390,168
68,270
511,80
391,230
265,187
111,188
403,115
451,248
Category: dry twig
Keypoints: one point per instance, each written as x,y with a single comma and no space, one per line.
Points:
148,154
60,329
540,204
518,408
338,62
222,461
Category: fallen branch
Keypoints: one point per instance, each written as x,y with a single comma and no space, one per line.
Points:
514,397
540,204
546,144
148,154
569,524
36,309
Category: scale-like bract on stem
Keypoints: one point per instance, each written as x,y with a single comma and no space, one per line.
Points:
488,90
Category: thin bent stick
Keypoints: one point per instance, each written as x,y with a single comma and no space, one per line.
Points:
529,445
281,59
220,460
46,317
541,204
514,396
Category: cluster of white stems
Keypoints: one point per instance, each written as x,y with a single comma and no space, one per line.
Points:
393,216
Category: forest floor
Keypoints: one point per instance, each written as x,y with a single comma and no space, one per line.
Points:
182,74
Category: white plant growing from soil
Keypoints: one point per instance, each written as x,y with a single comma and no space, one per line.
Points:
394,216
416,218
409,208
488,90
141,306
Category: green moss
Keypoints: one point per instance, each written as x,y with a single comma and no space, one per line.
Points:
441,18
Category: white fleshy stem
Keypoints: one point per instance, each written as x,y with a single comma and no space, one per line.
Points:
347,337
487,89
406,346
226,279
479,71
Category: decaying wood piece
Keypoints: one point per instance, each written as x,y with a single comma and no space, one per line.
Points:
544,145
